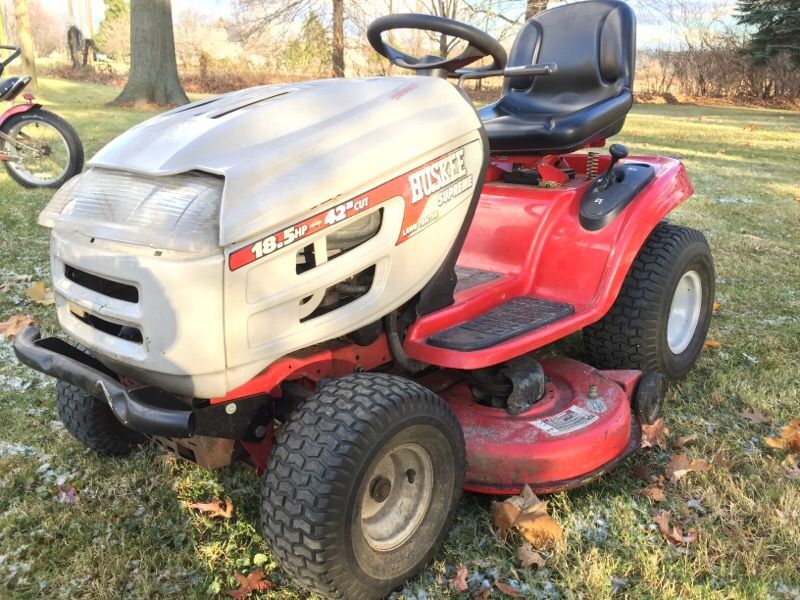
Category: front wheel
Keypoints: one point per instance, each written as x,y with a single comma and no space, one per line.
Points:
661,316
362,485
41,149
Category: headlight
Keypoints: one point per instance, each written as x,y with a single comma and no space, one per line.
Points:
176,212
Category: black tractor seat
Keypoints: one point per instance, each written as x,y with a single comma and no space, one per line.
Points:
594,45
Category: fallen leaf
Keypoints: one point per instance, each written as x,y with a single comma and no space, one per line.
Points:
715,308
655,434
14,325
712,344
643,472
5,287
791,468
247,585
40,294
683,441
680,464
459,582
528,515
68,496
673,534
215,508
504,514
756,416
528,557
541,530
790,437
482,594
507,589
654,492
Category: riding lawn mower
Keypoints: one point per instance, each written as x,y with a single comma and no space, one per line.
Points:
348,283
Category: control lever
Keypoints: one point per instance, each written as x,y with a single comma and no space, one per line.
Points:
617,151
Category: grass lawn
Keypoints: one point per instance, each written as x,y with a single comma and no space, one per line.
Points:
130,534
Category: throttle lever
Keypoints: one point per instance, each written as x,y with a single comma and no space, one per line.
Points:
617,151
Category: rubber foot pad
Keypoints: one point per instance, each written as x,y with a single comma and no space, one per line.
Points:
500,324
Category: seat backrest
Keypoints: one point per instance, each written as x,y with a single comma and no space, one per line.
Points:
594,45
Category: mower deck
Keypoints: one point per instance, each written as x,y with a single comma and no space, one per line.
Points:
580,429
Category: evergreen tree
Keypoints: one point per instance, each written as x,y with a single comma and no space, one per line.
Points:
776,28
118,13
309,53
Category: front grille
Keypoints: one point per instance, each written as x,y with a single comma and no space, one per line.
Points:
101,285
125,332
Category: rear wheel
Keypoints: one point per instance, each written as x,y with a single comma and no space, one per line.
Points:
46,151
661,316
362,485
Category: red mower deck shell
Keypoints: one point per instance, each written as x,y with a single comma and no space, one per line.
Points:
579,430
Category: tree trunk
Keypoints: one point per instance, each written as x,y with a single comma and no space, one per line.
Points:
153,77
26,42
337,48
534,7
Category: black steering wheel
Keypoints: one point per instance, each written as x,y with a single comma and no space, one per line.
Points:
480,44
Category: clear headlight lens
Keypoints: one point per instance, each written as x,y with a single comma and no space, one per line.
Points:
176,212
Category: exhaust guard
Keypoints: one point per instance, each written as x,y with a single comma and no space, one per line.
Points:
148,410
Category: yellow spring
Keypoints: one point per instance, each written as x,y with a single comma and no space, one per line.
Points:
592,163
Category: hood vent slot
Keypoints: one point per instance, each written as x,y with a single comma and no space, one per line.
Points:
241,106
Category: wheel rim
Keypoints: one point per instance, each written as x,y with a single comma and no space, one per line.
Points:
42,152
397,497
684,312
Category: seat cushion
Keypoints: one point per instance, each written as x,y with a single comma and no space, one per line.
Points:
6,85
522,132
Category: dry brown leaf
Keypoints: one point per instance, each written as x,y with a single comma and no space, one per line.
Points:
673,534
541,530
644,473
459,582
40,294
654,492
528,515
712,344
683,441
507,589
215,508
655,434
14,325
791,468
680,464
247,585
68,496
482,594
528,557
756,416
504,514
790,437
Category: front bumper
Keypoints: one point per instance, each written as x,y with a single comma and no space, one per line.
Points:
148,410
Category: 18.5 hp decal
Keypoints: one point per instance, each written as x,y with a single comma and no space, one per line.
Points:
444,179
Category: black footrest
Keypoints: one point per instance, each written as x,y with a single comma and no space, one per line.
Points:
469,277
502,323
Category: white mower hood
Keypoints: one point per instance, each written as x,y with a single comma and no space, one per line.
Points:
303,143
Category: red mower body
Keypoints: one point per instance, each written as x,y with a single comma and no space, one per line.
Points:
584,425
